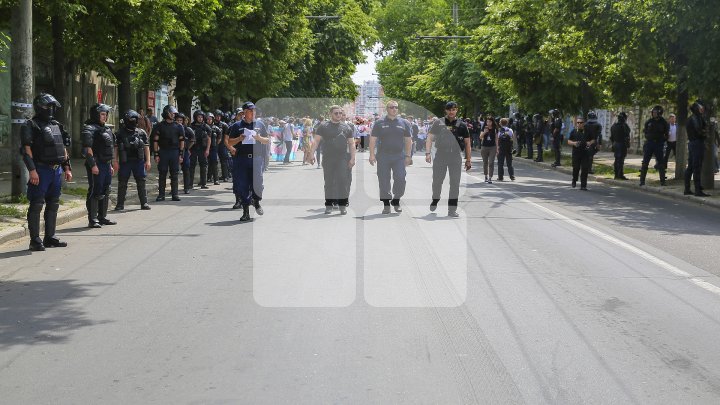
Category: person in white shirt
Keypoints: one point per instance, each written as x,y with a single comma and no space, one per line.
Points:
671,144
287,133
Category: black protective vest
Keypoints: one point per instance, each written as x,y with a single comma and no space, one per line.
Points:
203,135
131,145
656,129
102,142
169,135
48,145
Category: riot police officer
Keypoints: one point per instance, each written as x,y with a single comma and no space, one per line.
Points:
43,149
538,134
518,128
656,132
394,154
245,142
201,149
168,143
222,150
338,159
98,143
181,119
132,150
216,135
620,140
582,143
594,130
452,139
697,132
556,135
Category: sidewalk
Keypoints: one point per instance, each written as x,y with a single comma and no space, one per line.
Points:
72,201
674,188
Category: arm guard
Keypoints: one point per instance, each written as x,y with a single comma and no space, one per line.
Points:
29,163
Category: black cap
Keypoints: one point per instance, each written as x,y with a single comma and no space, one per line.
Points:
451,104
248,106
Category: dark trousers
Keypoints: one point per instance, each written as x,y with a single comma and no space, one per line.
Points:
581,165
47,193
385,165
444,163
288,151
338,178
540,152
505,155
557,148
671,146
248,177
653,148
696,149
620,151
197,156
99,184
169,161
530,145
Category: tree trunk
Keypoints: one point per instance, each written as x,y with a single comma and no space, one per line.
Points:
183,92
681,151
125,100
59,72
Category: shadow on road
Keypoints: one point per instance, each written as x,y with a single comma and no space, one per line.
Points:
41,312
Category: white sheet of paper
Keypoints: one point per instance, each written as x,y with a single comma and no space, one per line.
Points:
249,137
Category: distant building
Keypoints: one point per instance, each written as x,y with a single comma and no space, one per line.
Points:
370,99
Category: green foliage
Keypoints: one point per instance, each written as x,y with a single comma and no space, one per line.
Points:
11,211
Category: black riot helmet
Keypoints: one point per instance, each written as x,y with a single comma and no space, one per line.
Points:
209,116
657,111
95,111
555,113
591,115
45,106
537,117
696,108
517,116
167,110
130,120
198,113
180,116
622,117
219,113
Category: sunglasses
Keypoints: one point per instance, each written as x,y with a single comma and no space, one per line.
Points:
393,107
337,113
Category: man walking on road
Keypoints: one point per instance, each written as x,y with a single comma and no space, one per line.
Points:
44,143
451,139
582,143
394,155
338,159
245,142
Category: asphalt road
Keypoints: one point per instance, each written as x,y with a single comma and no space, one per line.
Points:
538,294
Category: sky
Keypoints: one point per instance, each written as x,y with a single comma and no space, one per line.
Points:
365,71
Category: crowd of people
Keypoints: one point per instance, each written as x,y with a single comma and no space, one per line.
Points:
239,146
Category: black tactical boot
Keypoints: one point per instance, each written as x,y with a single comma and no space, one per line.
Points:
103,210
246,213
142,193
203,177
174,187
33,218
162,183
93,208
51,210
121,192
238,203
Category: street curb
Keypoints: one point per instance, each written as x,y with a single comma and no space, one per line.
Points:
20,231
664,192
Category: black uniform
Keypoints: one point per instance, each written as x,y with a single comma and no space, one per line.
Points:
539,133
169,137
620,140
47,141
656,133
131,144
581,155
449,139
203,137
223,153
101,140
696,132
213,158
189,142
594,130
556,131
336,155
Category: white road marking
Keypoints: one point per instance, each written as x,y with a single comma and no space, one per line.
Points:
615,241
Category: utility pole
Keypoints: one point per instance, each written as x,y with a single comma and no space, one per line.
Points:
21,77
